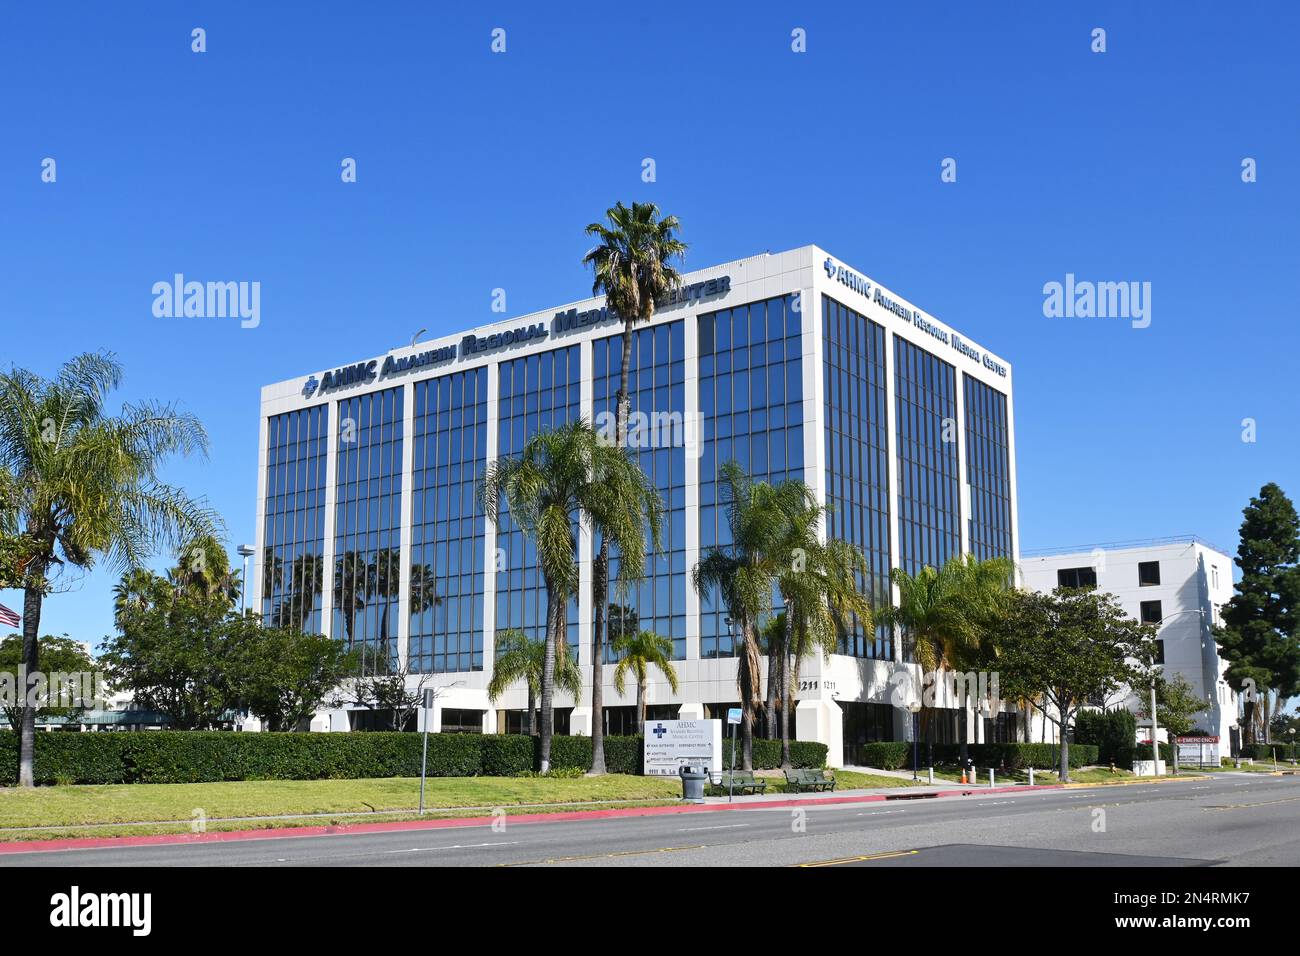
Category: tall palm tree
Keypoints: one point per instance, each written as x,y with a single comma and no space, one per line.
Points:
637,654
823,601
631,266
521,658
945,614
746,571
85,484
565,475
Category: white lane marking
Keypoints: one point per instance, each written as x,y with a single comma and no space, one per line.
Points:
454,846
724,826
880,813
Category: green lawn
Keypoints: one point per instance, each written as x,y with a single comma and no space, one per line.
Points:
86,806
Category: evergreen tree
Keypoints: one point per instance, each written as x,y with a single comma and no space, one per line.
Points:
1260,635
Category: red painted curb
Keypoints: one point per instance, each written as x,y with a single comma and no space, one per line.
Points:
397,826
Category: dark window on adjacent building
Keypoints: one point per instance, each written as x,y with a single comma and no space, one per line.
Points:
1076,578
1148,573
1160,652
1151,613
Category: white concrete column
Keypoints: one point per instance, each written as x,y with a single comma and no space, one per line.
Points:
963,485
694,438
331,502
586,540
891,445
489,529
407,522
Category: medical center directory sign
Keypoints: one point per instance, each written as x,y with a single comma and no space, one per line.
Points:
671,743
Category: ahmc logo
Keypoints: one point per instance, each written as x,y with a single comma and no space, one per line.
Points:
309,387
659,731
829,266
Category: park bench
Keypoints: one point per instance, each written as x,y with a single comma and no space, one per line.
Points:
739,781
809,780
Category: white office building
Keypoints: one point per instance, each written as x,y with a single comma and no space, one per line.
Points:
1178,584
791,364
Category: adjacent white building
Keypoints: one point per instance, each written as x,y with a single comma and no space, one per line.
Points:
1179,584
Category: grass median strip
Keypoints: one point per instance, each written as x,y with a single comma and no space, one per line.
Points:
237,805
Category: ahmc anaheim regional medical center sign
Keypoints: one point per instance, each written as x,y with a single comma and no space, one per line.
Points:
671,743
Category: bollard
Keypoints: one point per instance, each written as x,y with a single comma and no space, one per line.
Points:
990,776
1031,776
931,770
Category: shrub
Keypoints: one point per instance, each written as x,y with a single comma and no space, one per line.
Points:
1264,752
886,755
1143,752
201,756
1015,756
804,754
1112,731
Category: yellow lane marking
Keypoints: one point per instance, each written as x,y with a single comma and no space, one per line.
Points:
1247,806
861,859
604,856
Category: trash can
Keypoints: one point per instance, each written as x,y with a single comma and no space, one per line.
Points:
693,778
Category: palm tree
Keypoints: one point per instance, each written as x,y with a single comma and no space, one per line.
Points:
745,571
520,658
631,269
946,612
638,653
823,601
562,476
85,484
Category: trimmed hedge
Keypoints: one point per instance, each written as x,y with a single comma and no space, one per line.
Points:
804,754
1143,752
174,756
887,755
196,756
1113,732
1265,752
1014,756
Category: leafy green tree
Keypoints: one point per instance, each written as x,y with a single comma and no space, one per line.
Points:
174,653
745,572
563,476
632,270
638,653
60,655
949,615
521,658
1177,707
1067,647
1260,636
281,674
84,485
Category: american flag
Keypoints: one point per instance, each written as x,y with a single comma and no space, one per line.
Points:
8,617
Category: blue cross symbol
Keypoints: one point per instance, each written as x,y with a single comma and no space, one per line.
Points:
659,731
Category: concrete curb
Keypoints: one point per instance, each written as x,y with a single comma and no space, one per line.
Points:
398,826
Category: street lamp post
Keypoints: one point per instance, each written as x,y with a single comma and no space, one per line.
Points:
245,552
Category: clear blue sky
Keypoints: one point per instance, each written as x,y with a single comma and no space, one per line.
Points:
479,171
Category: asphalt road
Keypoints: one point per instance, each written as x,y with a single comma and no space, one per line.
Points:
1230,819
